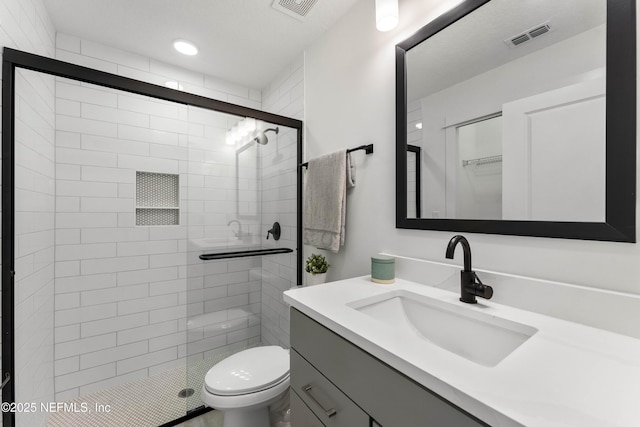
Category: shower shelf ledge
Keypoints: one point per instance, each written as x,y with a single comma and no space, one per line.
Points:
240,254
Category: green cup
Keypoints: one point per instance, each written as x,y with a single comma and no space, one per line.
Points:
383,270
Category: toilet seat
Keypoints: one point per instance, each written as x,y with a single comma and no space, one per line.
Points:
249,371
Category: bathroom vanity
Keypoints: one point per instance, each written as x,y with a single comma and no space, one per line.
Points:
360,355
335,383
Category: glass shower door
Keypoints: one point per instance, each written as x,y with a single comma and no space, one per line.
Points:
235,301
117,195
101,226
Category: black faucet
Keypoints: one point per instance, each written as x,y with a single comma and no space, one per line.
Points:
470,284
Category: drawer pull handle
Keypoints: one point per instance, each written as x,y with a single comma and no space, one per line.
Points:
328,412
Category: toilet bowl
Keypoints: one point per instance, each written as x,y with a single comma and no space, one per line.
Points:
243,385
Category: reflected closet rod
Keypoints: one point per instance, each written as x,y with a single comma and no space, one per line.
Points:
368,149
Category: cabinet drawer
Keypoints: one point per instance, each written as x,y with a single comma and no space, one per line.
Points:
324,399
388,396
301,415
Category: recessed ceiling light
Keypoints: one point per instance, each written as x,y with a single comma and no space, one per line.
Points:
185,47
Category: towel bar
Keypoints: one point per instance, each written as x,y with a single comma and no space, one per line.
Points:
241,254
368,149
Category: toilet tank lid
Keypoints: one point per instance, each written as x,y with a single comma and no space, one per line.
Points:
248,371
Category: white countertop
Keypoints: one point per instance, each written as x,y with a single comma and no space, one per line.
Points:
566,374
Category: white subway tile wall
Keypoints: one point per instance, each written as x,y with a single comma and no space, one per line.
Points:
34,244
122,295
26,26
136,302
284,96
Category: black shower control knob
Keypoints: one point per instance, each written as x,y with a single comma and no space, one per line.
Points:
275,231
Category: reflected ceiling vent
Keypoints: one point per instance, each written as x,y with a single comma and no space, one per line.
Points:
298,9
530,34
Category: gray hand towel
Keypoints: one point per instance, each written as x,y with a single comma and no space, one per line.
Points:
325,197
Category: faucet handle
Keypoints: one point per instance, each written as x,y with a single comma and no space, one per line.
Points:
275,231
482,290
471,286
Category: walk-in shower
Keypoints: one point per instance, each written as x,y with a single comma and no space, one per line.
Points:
114,190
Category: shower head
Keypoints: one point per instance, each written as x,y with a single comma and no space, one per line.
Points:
262,139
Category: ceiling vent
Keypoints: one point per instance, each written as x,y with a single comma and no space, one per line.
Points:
530,34
298,9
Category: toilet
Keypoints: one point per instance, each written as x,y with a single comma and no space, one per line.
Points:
243,385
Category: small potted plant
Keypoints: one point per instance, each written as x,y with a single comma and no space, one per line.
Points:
316,268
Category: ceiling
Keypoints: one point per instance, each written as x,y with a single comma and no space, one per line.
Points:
242,41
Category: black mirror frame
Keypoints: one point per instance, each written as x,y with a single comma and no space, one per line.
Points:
620,215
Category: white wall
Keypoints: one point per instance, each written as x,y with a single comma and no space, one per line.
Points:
26,25
352,101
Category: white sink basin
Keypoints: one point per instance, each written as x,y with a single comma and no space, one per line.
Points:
476,336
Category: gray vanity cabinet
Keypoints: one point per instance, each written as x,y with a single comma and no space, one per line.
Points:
322,398
335,383
301,415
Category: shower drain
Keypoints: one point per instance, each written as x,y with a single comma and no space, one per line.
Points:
186,392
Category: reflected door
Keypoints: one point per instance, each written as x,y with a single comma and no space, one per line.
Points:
556,134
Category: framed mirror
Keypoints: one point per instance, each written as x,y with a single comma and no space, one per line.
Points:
524,113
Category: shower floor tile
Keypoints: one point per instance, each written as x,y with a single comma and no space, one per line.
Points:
151,401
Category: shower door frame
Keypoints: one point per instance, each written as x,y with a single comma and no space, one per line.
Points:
13,59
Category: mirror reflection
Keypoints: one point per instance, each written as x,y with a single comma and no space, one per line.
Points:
508,108
414,180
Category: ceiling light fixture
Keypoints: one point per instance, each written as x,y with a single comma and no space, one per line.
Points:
185,47
386,14
419,125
